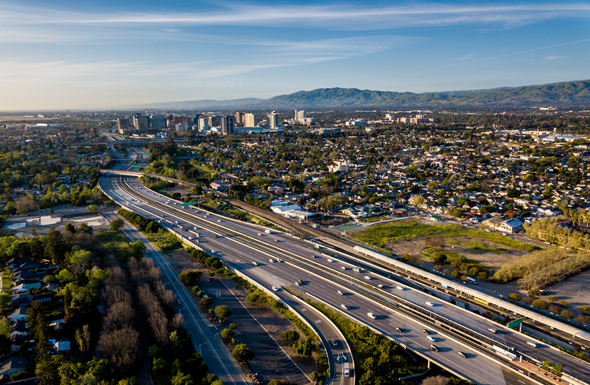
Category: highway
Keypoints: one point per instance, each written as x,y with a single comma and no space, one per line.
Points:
481,325
238,254
212,350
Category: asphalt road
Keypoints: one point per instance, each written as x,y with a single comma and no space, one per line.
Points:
542,352
212,350
477,367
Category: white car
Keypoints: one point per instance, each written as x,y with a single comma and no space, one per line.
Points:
431,338
271,260
429,303
367,277
531,343
372,315
380,286
329,260
276,288
399,288
195,228
190,238
340,292
344,307
255,263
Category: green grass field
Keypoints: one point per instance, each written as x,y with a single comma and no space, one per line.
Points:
400,230
493,237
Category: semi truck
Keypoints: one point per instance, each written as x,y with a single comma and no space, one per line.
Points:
346,369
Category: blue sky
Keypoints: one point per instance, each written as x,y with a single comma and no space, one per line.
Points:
89,54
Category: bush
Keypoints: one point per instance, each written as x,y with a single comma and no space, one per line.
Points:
304,348
534,293
117,224
227,335
206,302
528,300
539,303
553,299
474,271
585,308
252,297
290,336
567,314
554,309
439,257
242,353
455,274
582,319
514,296
189,277
195,289
563,303
222,311
483,275
232,326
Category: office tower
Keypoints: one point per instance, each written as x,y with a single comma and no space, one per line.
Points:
227,125
240,119
273,120
157,122
140,123
250,120
215,121
122,124
203,123
300,116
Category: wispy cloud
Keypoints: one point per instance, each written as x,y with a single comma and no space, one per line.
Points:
554,57
340,16
466,57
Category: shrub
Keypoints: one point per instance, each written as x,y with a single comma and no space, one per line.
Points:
553,299
195,289
514,296
585,308
563,303
567,314
474,271
304,348
242,353
117,224
464,267
554,309
528,300
437,267
222,311
582,319
483,275
290,336
252,297
455,274
539,303
439,257
226,335
206,302
232,326
534,293
189,277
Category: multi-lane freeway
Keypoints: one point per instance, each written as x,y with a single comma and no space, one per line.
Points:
328,275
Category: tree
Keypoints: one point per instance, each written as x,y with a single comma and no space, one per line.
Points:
117,225
222,311
85,229
304,348
514,296
226,335
290,336
189,276
70,228
182,379
567,314
137,248
242,353
539,303
206,302
92,208
55,248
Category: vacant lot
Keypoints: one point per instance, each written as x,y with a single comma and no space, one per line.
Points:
399,230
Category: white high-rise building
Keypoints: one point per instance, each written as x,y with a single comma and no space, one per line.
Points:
203,123
250,120
300,116
273,120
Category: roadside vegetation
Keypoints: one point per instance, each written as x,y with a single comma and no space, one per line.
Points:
160,237
493,237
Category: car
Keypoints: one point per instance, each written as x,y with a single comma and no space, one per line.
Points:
367,277
195,228
431,338
399,330
461,354
219,220
176,222
259,234
190,238
340,292
271,260
329,260
399,288
313,256
425,331
380,286
343,267
371,315
255,263
429,303
434,347
299,281
334,342
492,330
344,358
179,302
531,343
276,288
344,307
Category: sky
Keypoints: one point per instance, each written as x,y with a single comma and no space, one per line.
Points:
81,54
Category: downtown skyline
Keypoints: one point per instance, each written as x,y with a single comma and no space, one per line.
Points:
84,55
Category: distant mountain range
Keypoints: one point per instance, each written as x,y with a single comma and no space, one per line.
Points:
557,94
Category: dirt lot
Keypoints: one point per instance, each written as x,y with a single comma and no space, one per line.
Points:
489,254
258,327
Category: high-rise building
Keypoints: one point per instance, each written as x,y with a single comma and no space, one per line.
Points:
140,123
300,116
227,124
122,124
240,119
273,120
250,120
157,122
203,123
215,121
